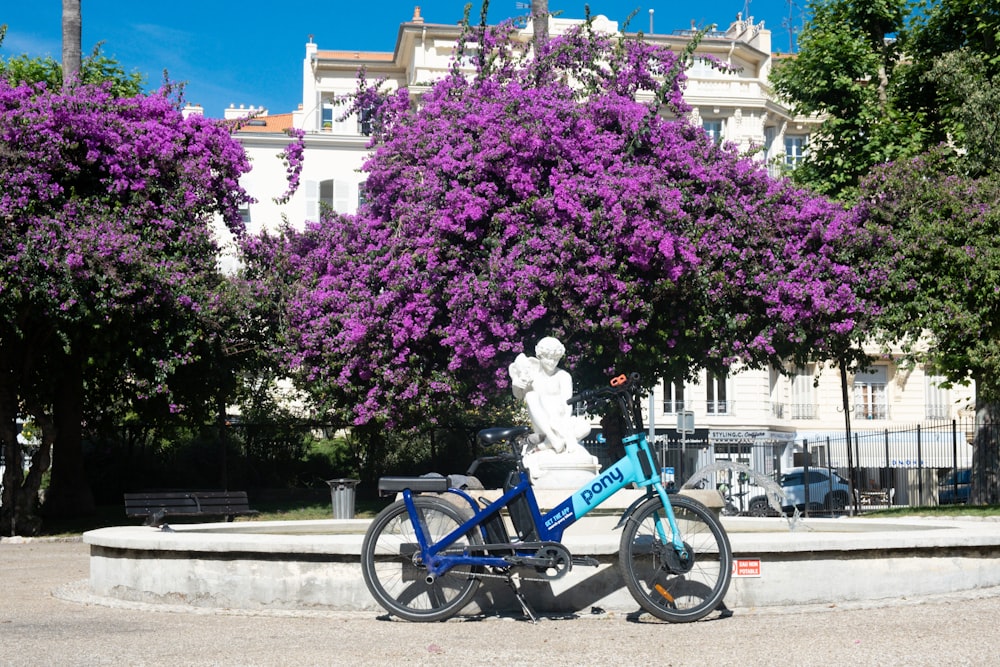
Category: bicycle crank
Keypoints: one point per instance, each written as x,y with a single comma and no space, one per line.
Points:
551,560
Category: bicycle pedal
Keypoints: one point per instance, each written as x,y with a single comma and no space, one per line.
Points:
585,560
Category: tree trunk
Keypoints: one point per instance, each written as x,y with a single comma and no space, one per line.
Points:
540,20
69,492
27,518
20,514
72,38
12,474
985,478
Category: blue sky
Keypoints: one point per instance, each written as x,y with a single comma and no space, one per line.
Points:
251,52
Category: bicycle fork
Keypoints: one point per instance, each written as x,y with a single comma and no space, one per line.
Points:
643,458
675,536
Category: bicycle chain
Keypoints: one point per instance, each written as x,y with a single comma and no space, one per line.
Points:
514,569
485,575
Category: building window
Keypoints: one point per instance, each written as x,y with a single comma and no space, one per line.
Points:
365,122
326,117
774,378
326,189
329,195
937,398
770,134
713,128
717,403
804,393
795,147
335,196
870,400
673,396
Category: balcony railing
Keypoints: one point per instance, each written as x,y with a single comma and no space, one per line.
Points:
871,412
672,407
938,411
803,411
719,407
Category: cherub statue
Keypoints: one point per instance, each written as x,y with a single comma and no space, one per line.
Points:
544,388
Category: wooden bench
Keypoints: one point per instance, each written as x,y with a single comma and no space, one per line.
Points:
158,506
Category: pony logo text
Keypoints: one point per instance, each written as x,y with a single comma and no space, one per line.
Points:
600,484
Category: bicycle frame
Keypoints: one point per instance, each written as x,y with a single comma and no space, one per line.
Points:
636,467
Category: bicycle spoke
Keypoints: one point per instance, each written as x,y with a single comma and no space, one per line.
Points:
670,585
392,569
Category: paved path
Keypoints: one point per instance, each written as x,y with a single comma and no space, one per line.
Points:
48,618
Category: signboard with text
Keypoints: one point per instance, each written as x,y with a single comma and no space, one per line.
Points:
746,567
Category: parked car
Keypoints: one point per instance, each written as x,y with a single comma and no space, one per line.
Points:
954,487
827,491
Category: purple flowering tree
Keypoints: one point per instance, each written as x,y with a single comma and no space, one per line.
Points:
108,275
542,196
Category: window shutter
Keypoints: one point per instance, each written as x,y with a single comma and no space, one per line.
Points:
312,200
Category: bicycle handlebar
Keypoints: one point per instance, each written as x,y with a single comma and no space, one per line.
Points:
620,386
624,389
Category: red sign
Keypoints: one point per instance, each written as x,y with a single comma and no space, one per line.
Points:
746,567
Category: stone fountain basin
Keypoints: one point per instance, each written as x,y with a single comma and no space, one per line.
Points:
315,564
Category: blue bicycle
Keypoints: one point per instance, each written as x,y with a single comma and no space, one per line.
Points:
425,555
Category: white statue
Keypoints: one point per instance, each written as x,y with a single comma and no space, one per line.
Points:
544,388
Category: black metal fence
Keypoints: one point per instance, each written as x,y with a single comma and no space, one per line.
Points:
918,466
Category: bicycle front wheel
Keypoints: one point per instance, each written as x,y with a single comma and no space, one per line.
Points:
671,586
390,561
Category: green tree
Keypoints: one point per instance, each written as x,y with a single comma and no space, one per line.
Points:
892,88
940,298
945,26
845,72
96,68
971,95
890,82
952,78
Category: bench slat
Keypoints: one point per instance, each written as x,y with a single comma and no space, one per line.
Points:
188,503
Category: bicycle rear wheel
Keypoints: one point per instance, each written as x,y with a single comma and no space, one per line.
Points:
390,562
667,586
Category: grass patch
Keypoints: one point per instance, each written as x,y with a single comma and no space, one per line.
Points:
277,511
288,510
978,511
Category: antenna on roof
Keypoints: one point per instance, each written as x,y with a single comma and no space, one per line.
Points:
789,24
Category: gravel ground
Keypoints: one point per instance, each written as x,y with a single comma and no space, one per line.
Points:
47,617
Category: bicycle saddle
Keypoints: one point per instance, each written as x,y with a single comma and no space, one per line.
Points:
498,433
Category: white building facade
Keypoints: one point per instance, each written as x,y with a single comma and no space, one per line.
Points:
762,418
737,107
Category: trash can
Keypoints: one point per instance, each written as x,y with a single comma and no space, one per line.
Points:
342,495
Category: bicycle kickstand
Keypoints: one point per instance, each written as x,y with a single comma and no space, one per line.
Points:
512,582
